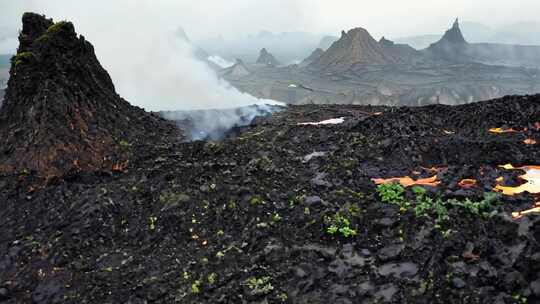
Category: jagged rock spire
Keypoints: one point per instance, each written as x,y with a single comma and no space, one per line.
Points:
61,110
356,47
454,35
452,46
456,24
267,58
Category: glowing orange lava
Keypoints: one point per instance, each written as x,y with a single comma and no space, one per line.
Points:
532,176
448,132
120,167
408,181
433,169
501,130
77,164
520,214
468,183
529,141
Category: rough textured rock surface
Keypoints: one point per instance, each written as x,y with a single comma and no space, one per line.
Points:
356,47
359,70
452,46
61,111
245,220
404,52
313,57
267,58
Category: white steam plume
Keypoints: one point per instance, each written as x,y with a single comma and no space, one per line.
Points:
135,42
216,124
165,76
222,62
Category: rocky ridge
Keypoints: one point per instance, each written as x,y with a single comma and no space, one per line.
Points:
318,53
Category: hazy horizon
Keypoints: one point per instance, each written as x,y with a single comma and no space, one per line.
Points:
178,81
318,17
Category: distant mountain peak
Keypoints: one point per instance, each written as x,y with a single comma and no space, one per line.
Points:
356,47
452,46
453,35
267,58
456,24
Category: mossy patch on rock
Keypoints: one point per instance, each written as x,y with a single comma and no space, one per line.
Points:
22,57
57,27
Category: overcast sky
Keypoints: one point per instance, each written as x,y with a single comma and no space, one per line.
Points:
203,18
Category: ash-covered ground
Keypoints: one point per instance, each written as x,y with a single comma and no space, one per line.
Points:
289,213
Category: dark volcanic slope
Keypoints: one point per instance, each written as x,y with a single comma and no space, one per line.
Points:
314,56
61,110
355,47
248,220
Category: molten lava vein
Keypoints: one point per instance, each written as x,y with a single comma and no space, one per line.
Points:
501,130
520,214
467,183
532,176
408,181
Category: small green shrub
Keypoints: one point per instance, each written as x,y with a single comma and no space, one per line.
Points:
425,206
339,224
212,278
391,193
276,217
296,200
256,200
435,208
196,287
259,286
152,223
481,208
124,144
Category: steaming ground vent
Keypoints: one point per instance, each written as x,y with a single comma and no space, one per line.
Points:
219,124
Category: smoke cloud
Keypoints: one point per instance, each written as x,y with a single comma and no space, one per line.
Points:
165,76
223,63
217,124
